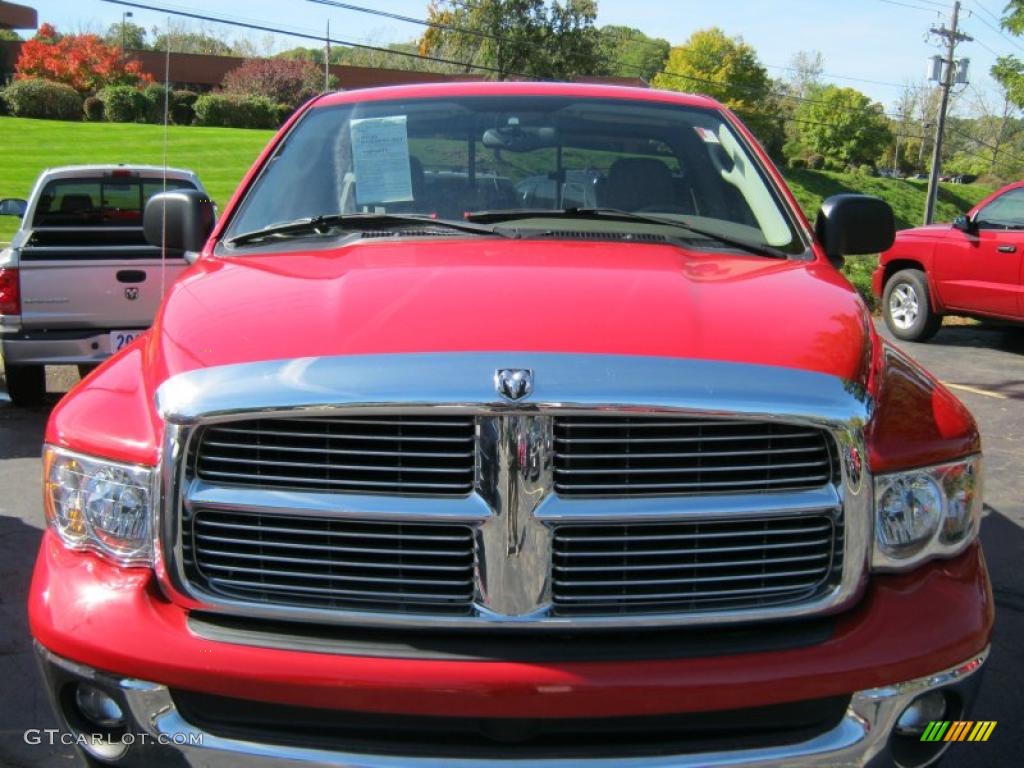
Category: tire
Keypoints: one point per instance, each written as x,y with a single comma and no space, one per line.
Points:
26,384
906,305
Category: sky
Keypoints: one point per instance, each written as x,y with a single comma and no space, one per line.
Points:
876,46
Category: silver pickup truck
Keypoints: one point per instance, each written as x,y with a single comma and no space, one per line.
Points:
78,281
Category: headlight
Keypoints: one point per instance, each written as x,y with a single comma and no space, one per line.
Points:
926,513
100,505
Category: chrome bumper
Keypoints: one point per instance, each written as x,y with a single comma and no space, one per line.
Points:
861,738
57,348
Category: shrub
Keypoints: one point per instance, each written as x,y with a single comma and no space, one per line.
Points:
124,104
183,107
84,62
283,81
865,170
43,99
93,109
816,162
226,111
796,163
3,103
858,271
155,95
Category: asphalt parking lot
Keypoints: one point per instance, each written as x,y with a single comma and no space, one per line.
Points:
984,365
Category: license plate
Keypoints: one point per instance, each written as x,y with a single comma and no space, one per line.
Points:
121,339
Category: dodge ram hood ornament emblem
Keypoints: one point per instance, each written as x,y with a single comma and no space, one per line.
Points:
131,293
513,383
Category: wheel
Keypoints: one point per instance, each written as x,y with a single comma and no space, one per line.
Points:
26,384
907,307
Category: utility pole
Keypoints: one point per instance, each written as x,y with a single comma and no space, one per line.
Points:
952,37
124,27
327,58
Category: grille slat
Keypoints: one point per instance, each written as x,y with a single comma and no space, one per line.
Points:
333,548
287,559
649,456
686,551
621,567
398,455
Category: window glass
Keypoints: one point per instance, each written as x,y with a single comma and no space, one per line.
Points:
451,156
99,202
1005,212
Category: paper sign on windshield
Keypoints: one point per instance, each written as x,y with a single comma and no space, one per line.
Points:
380,154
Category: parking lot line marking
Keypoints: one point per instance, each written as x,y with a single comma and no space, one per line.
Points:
976,391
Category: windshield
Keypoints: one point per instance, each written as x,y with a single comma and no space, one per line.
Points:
449,157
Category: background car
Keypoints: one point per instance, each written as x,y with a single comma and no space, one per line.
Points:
972,266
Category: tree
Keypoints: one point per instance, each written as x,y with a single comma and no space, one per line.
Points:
531,38
84,62
10,34
843,125
1013,16
132,37
727,69
283,81
182,38
628,52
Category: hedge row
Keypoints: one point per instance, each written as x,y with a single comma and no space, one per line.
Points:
42,99
48,100
230,111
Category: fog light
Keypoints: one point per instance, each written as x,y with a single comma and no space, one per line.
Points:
922,710
98,707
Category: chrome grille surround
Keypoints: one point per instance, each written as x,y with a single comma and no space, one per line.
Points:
513,510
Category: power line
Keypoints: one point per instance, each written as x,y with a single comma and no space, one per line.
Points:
259,27
908,5
998,31
833,76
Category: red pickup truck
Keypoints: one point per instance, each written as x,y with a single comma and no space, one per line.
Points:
407,472
972,267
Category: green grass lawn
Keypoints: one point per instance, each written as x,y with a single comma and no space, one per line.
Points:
220,156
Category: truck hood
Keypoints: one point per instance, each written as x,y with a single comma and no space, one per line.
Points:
524,295
927,232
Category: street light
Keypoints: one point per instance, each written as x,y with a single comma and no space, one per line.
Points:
124,24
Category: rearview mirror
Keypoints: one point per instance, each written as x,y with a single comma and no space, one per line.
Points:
13,206
516,138
965,224
851,224
185,216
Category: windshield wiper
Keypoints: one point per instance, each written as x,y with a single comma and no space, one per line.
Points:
327,224
616,214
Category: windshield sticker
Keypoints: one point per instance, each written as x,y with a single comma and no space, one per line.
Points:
380,154
707,134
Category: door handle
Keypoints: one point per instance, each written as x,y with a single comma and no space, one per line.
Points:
131,276
1007,249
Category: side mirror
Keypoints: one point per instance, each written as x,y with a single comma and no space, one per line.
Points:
13,206
965,224
851,224
186,216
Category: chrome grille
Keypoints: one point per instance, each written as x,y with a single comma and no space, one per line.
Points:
690,566
423,455
330,562
604,456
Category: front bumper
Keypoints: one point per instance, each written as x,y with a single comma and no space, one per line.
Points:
161,734
910,632
56,347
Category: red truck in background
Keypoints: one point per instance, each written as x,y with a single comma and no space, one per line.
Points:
972,267
409,472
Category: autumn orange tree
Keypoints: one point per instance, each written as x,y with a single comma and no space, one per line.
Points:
84,62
